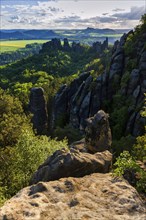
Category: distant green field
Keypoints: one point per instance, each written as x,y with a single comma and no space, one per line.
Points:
13,45
105,35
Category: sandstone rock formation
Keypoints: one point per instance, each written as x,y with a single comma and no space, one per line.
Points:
66,163
98,196
77,162
63,99
126,78
97,133
100,47
55,44
87,96
38,109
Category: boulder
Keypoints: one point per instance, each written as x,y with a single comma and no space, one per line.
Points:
66,163
97,196
97,133
38,108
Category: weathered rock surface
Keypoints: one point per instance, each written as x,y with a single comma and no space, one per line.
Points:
98,196
97,133
60,105
80,104
85,157
38,108
63,99
66,163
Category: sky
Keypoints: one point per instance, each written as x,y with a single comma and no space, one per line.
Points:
71,14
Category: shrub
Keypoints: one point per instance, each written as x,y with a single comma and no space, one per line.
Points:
127,167
139,149
132,64
2,197
68,132
123,144
125,79
123,162
119,119
19,162
129,45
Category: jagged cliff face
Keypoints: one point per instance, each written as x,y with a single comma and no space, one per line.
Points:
121,87
119,90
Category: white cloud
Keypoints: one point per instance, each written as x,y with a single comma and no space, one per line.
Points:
134,14
68,14
118,9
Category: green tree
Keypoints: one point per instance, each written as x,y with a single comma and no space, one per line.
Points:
127,167
18,162
12,119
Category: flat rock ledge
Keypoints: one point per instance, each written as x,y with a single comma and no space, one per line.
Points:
96,196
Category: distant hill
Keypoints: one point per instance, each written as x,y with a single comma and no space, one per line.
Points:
40,34
73,34
12,35
99,31
27,34
87,36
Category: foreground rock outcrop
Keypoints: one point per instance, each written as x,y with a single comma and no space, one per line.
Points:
98,196
93,157
66,163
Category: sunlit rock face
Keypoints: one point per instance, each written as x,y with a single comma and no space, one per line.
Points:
66,163
96,196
